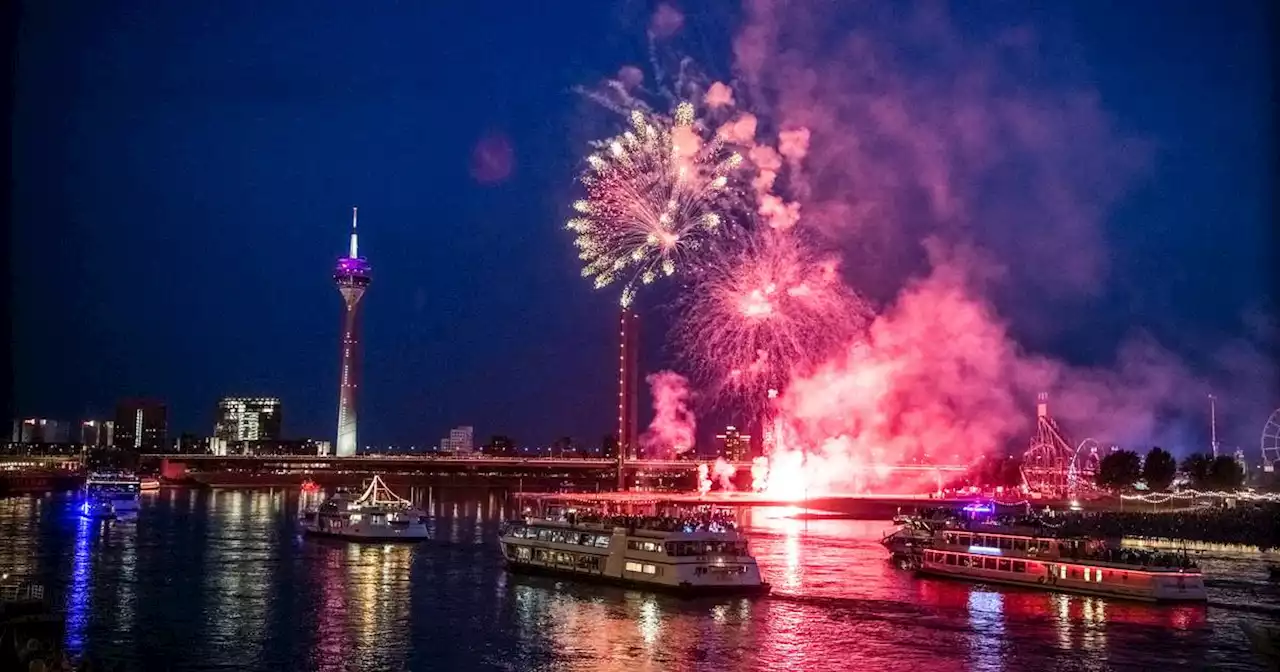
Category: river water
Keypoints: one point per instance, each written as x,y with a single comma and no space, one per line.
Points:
222,580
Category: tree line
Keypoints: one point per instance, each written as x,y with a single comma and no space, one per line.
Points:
1121,469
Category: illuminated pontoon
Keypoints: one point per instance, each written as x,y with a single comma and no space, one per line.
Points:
688,550
377,515
1018,556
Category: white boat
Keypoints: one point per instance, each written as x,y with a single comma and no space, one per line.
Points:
118,488
687,556
377,515
996,554
96,508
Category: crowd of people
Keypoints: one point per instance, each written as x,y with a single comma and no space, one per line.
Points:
1247,524
1132,556
687,523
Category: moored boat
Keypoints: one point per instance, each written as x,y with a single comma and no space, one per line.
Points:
1018,556
689,555
119,488
377,515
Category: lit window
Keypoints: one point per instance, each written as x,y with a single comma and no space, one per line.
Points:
1062,572
634,567
650,569
1097,576
1086,573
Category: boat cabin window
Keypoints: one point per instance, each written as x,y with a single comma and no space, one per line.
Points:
1004,565
1019,566
951,559
692,548
1020,545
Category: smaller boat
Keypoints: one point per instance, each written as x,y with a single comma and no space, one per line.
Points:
97,508
149,484
378,514
120,488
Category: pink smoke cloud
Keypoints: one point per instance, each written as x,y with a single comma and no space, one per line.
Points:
918,130
630,76
666,21
779,214
794,144
718,95
673,428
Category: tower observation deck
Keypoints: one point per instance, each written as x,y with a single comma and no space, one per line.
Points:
352,277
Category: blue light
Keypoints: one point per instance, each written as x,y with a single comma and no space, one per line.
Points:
978,508
984,550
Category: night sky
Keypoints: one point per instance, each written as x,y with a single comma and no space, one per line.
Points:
184,175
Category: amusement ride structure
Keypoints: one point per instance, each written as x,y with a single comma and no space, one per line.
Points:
1271,442
1051,466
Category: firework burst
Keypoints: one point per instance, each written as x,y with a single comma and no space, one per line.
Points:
654,195
762,310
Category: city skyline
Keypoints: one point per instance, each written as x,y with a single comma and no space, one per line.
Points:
193,269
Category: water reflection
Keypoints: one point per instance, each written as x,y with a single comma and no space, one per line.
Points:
80,588
225,581
986,624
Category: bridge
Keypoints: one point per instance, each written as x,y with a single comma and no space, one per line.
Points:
409,462
247,470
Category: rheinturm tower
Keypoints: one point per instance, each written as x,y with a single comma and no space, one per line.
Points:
352,277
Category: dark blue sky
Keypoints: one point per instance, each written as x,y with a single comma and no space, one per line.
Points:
184,175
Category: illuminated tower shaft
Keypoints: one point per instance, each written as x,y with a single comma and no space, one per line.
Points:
628,384
352,277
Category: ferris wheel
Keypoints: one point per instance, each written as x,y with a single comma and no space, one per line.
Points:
1271,441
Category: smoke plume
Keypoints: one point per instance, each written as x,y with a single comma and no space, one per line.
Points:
673,428
967,182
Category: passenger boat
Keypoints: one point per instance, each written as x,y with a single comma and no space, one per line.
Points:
1007,555
376,515
149,484
688,555
119,488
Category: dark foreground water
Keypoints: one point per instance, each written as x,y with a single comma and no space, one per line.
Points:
223,581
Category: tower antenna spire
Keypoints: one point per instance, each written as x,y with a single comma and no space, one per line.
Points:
354,244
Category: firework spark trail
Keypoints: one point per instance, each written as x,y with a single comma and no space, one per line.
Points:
654,194
761,312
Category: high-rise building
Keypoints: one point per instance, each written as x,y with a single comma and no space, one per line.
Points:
97,433
461,441
499,446
248,419
141,425
628,383
352,275
734,445
41,430
189,444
